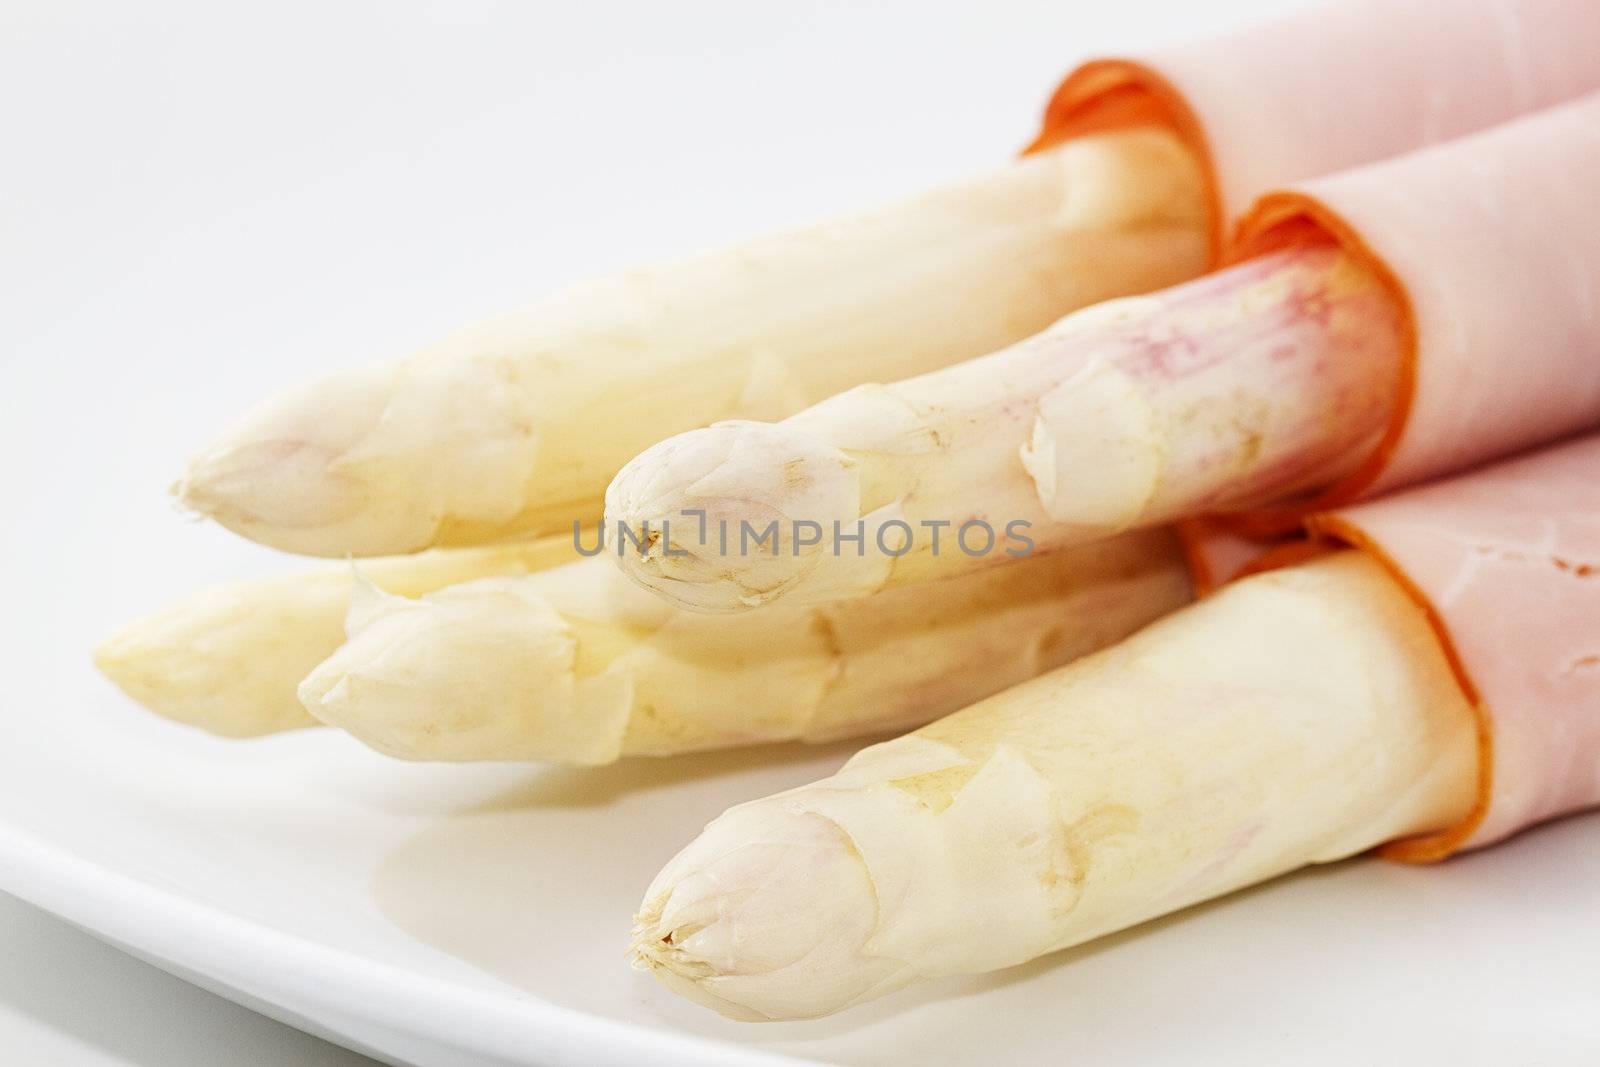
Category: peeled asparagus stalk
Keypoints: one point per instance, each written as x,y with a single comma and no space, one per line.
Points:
514,426
579,665
227,659
1297,717
1271,377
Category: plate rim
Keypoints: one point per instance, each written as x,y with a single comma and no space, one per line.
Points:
257,960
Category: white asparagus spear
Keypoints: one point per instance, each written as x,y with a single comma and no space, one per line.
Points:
578,664
515,425
1297,717
228,658
1265,379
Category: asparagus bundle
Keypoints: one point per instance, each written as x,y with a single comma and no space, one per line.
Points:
1297,717
578,665
512,427
1272,376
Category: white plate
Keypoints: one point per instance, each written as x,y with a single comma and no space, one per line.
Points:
198,209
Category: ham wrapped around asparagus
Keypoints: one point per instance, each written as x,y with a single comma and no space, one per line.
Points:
1276,376
1375,328
514,426
1435,686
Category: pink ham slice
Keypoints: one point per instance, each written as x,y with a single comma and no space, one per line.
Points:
1491,245
1506,562
1339,85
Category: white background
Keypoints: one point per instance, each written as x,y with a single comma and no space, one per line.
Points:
201,202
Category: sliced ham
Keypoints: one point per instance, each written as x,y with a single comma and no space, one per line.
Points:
1338,85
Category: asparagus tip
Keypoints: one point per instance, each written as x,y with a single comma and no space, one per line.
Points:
730,516
767,915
